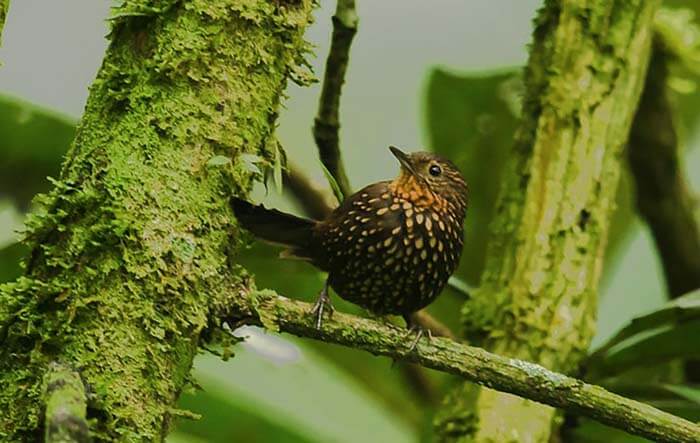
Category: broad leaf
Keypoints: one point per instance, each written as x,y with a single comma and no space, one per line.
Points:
654,338
33,140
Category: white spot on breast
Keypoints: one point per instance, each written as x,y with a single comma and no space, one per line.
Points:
419,243
424,254
382,211
419,219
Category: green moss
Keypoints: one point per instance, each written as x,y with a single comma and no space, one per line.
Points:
135,239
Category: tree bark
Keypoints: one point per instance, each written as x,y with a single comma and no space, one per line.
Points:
537,299
136,235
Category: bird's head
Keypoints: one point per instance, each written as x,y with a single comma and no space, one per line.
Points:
425,175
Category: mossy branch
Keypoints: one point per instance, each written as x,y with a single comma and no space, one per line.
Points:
66,406
327,122
474,364
537,296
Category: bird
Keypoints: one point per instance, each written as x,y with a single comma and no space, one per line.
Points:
389,248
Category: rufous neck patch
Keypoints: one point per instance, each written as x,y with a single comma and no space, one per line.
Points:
412,189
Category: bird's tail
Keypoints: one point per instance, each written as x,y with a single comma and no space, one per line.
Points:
276,227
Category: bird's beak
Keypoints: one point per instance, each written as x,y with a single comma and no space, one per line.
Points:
403,158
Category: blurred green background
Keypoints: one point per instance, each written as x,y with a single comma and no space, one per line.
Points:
422,75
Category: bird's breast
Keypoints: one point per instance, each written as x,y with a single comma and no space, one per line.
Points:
389,254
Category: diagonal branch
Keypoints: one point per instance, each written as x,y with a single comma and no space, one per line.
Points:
312,199
504,374
663,196
327,124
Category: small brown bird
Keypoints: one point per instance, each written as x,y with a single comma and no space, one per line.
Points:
388,248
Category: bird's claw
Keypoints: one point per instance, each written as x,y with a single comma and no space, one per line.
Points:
323,303
419,333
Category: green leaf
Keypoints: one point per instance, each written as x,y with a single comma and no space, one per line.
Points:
219,160
651,339
460,286
590,431
250,162
33,142
277,172
333,183
687,392
680,310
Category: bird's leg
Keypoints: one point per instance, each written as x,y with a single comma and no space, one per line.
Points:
414,328
322,302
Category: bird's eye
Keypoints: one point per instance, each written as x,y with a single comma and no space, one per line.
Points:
435,170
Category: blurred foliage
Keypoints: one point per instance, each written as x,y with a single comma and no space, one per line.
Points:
657,336
32,141
295,392
644,361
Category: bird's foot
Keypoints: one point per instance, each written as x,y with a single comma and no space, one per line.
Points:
323,304
418,331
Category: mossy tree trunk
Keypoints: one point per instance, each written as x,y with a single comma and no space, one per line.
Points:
136,235
537,299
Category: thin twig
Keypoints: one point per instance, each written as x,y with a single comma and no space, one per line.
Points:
327,122
66,406
527,380
313,201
